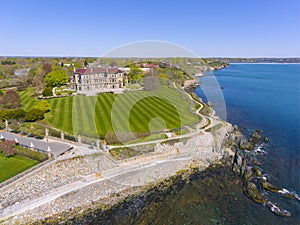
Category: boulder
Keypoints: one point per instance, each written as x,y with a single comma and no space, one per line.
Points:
257,171
255,137
266,139
268,186
278,210
245,144
250,190
248,174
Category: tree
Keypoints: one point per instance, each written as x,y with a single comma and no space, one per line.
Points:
136,73
113,64
85,63
11,100
36,78
34,115
8,148
22,85
56,78
43,106
8,114
47,91
47,68
17,114
15,126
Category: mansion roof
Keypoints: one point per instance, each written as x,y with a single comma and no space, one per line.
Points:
95,70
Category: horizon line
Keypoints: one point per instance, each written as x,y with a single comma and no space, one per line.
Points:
82,56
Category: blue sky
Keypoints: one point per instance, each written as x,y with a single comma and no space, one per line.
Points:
231,28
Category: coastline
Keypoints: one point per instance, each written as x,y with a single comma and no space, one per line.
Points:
123,194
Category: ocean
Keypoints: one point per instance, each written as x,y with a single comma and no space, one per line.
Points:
267,97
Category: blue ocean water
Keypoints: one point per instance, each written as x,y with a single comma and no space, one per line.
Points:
267,97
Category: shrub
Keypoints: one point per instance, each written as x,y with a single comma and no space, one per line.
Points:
43,105
2,124
54,133
26,152
17,114
34,115
36,131
70,137
12,114
15,126
5,115
47,91
8,148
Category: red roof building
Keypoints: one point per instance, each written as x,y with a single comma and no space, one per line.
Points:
98,79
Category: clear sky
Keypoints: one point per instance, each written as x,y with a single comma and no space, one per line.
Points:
227,28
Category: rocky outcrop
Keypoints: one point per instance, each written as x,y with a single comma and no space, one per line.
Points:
251,190
249,170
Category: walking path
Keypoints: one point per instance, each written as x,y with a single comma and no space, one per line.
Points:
87,180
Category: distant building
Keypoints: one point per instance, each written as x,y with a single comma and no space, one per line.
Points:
21,72
150,65
95,80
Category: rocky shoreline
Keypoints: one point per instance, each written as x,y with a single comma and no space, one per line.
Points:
248,167
108,197
237,158
109,188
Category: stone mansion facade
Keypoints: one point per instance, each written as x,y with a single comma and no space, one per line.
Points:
97,80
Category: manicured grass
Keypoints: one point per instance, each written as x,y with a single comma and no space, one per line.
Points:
27,99
61,113
12,166
152,137
137,111
134,111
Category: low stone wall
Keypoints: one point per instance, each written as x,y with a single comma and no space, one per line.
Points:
21,175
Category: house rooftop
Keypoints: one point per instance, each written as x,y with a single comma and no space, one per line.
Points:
94,70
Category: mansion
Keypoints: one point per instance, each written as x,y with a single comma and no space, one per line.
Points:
94,80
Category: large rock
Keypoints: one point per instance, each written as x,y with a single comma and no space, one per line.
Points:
255,137
250,189
268,186
266,139
246,145
248,174
257,171
237,162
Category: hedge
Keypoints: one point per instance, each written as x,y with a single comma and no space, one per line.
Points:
36,155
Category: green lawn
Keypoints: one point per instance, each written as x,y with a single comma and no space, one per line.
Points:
133,111
27,99
136,111
12,166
